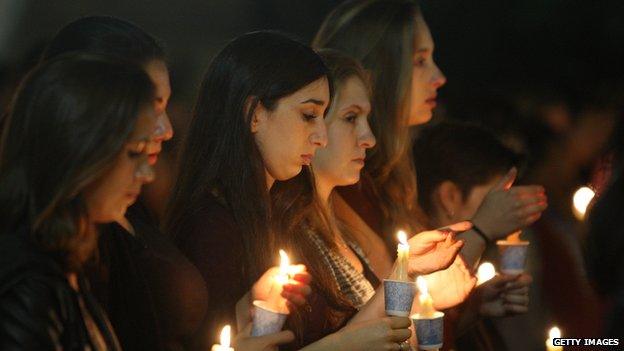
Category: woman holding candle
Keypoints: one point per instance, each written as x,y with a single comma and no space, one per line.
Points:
391,39
73,155
139,276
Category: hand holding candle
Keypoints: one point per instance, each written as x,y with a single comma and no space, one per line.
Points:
513,253
225,338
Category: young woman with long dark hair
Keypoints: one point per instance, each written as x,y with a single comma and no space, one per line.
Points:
258,122
73,155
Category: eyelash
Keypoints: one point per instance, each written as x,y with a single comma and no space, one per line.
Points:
419,62
308,117
350,118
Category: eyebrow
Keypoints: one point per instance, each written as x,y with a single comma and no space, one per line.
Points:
314,101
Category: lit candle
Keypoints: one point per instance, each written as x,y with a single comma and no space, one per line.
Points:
224,344
553,333
581,199
403,257
275,299
426,309
485,272
514,237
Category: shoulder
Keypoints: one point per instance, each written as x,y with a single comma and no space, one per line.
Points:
213,221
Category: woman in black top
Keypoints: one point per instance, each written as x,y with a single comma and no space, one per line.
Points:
73,155
154,296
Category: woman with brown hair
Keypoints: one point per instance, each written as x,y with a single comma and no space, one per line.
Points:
73,156
391,40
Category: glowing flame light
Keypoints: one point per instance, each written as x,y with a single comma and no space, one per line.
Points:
421,283
284,268
582,197
225,336
554,333
485,272
402,237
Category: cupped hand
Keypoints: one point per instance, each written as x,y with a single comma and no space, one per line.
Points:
506,209
379,334
451,286
295,291
244,340
435,250
504,295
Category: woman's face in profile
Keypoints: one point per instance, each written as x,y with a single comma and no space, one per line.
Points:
288,136
426,76
348,136
108,197
158,73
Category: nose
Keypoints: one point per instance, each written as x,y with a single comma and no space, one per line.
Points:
439,79
366,139
163,130
144,172
319,135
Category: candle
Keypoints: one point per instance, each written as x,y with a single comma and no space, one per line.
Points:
426,309
514,237
403,256
552,334
485,272
581,200
224,344
275,300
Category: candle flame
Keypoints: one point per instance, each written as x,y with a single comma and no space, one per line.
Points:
421,283
402,237
554,333
284,262
485,272
225,336
514,237
582,197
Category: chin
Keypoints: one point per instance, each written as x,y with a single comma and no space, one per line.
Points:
289,174
421,118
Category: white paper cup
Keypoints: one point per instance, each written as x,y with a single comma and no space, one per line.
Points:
398,296
429,330
513,256
266,320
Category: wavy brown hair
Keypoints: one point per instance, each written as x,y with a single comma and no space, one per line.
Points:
381,35
69,119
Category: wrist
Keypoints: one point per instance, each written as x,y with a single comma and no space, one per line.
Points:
482,231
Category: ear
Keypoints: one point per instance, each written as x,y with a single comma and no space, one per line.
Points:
259,113
450,198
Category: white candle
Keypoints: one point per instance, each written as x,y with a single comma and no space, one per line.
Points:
224,344
581,200
403,256
485,272
426,309
275,299
553,333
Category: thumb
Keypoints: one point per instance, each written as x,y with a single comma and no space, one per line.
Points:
283,337
507,180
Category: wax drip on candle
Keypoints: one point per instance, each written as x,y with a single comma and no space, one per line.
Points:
426,309
402,256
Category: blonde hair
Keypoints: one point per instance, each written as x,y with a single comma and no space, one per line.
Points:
381,35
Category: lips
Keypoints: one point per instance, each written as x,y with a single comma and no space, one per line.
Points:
152,158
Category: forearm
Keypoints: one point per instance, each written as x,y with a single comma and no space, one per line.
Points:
473,248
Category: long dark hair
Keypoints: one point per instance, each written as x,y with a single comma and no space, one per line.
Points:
381,34
297,209
68,121
107,36
220,154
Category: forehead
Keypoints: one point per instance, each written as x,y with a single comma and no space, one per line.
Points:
317,91
353,93
422,35
159,74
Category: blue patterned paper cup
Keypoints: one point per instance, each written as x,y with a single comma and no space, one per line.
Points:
513,256
398,296
266,320
429,330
